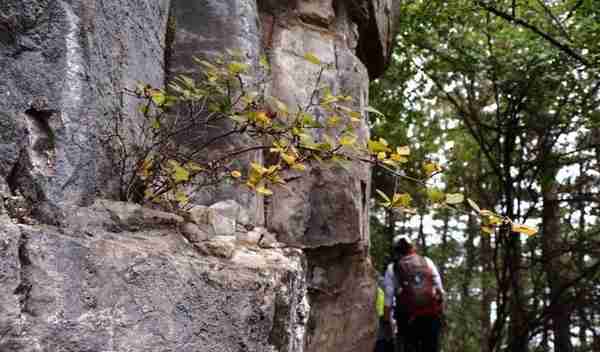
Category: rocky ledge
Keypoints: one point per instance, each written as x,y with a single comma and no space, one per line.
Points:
121,277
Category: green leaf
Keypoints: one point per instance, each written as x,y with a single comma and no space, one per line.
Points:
401,200
383,195
487,229
235,68
155,124
376,147
473,205
435,195
159,98
181,198
178,173
454,198
312,58
373,110
348,139
264,62
264,191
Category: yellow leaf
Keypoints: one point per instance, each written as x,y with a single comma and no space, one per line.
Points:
390,162
528,230
289,159
236,174
158,98
193,167
431,168
264,191
329,99
485,212
273,169
276,179
401,200
181,198
312,58
145,170
381,156
237,67
377,146
258,168
180,174
454,198
333,121
355,116
398,158
347,139
262,118
299,167
404,150
435,195
487,229
264,62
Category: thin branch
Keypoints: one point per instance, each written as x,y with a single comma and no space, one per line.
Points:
562,47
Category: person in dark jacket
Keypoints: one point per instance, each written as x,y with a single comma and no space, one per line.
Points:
415,284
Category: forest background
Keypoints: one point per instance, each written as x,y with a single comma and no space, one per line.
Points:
504,95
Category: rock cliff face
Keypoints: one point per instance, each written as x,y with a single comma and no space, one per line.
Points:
78,273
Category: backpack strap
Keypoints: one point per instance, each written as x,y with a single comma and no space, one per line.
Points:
400,275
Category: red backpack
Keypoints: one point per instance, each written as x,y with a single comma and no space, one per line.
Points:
415,294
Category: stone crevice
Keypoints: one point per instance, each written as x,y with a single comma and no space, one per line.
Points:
23,289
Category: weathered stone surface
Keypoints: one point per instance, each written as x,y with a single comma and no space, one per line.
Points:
205,29
326,211
319,12
121,277
119,216
144,291
375,22
212,221
322,210
250,238
232,210
193,233
342,316
64,67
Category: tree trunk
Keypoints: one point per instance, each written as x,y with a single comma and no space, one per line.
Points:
487,291
551,247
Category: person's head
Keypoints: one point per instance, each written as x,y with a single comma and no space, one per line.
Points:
402,246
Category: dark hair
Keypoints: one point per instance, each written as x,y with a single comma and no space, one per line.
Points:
402,246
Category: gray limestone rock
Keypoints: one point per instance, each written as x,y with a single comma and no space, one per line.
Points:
319,12
65,65
212,221
193,233
118,217
232,210
121,277
144,291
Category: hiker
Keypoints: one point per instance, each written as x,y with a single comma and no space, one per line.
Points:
415,284
384,341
